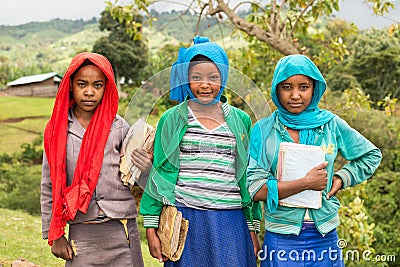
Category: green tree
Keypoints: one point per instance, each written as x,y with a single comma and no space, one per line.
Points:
127,56
373,65
277,23
379,73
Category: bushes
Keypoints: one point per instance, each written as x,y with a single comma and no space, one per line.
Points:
20,187
20,177
383,131
370,211
382,201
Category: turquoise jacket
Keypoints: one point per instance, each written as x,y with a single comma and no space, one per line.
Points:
335,137
162,179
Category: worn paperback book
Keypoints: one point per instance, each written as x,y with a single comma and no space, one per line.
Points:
140,135
172,231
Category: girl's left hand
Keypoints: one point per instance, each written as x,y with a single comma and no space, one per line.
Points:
256,243
337,184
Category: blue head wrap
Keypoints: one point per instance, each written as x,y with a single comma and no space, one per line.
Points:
312,116
179,80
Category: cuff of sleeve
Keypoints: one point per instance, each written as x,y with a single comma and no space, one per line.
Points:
151,221
250,225
345,176
257,226
45,235
272,196
255,187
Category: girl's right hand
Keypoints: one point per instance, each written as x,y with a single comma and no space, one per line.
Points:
316,178
154,244
62,249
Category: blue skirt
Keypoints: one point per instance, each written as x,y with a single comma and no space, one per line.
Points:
216,238
307,249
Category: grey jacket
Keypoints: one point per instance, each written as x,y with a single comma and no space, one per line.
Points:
110,195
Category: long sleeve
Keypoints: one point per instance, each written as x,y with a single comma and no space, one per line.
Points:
258,169
363,156
46,199
162,179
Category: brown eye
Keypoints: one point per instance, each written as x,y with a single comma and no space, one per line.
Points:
195,78
304,87
98,85
81,84
214,77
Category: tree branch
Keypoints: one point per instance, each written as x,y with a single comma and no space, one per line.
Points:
300,16
248,2
270,37
199,18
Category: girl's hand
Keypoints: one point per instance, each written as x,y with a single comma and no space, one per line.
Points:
316,178
142,160
62,249
337,184
154,244
256,243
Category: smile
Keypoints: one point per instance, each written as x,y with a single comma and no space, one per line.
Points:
205,94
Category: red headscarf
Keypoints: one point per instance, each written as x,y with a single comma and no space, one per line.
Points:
68,200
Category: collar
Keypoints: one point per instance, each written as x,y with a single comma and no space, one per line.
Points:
183,107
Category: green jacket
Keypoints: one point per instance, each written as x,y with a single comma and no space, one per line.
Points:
160,187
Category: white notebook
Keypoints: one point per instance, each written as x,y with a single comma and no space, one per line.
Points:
294,161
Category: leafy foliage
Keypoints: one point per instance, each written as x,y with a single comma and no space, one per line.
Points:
375,63
383,198
20,177
369,213
20,187
383,131
355,228
128,57
380,74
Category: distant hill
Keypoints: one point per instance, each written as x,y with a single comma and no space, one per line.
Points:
49,45
52,44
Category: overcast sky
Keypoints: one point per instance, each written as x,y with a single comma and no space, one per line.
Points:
15,12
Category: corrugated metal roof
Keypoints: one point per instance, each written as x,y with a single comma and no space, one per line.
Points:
35,78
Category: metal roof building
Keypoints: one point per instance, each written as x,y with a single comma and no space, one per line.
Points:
39,85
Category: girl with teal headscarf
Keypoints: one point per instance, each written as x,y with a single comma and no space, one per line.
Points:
308,233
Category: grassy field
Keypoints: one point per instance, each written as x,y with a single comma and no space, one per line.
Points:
22,120
20,237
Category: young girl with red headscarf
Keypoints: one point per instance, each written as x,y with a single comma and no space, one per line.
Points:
81,182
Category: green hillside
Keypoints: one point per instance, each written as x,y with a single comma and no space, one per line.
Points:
50,45
46,46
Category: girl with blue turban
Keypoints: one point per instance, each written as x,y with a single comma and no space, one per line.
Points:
304,236
200,158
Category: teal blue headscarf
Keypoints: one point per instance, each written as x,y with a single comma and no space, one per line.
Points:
312,116
179,80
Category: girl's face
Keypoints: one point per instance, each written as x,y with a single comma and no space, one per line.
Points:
88,88
295,93
205,81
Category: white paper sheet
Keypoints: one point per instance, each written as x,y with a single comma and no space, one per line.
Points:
295,160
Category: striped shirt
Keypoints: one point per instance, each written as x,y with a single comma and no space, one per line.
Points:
206,178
